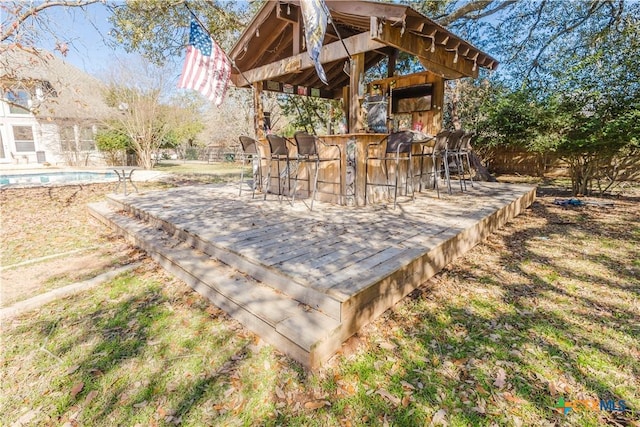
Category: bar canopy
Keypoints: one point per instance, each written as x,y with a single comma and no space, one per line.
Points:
271,48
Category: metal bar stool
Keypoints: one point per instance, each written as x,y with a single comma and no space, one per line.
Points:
397,148
250,151
439,160
453,152
307,152
279,152
464,150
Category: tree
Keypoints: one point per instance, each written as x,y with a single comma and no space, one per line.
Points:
23,26
137,91
158,29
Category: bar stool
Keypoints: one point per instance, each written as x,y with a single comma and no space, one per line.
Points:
464,150
439,160
307,153
279,152
397,148
250,151
453,152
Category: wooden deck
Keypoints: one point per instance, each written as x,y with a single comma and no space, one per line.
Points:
348,265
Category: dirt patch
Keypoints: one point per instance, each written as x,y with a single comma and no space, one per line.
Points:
50,221
26,281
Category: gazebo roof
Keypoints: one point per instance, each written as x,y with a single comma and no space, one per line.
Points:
268,50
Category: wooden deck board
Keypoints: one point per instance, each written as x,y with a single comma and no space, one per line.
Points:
335,250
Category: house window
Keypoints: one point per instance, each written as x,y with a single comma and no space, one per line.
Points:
23,137
19,101
87,142
67,139
77,138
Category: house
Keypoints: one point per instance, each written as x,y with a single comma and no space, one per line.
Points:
49,111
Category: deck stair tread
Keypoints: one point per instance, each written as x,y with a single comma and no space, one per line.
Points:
289,318
294,284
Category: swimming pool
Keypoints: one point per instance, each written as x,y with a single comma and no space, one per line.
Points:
44,178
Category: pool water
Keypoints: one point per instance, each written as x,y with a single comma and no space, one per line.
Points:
44,178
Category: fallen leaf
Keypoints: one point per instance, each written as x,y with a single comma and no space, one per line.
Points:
140,404
92,394
315,404
500,378
480,408
96,372
26,417
391,398
481,389
511,398
280,393
387,345
406,400
407,385
77,388
439,418
72,369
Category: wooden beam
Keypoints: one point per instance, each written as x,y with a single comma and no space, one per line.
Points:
267,42
368,8
288,12
440,61
259,111
391,65
356,77
248,32
332,52
440,70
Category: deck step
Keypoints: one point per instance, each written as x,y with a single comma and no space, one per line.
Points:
292,285
300,331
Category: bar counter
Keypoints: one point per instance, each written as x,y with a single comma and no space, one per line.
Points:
353,152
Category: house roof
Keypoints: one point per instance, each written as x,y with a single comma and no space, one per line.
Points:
271,47
70,92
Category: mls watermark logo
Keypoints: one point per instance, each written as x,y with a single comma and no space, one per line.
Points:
564,407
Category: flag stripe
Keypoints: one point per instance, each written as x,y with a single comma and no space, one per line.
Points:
207,68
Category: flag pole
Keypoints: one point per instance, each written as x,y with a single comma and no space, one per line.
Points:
209,34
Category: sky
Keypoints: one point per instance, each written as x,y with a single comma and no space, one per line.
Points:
86,31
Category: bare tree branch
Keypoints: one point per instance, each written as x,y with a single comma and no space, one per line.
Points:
12,28
490,12
463,11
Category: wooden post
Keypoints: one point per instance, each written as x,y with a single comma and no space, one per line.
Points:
356,71
437,102
297,33
259,113
391,67
345,103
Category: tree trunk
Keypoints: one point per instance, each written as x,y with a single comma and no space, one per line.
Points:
482,173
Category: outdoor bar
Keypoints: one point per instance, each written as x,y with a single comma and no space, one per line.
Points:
303,280
270,56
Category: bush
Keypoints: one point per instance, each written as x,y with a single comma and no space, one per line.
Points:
112,143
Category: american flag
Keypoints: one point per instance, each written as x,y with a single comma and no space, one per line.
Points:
206,68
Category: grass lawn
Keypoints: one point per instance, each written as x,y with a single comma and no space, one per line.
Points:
543,312
222,170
